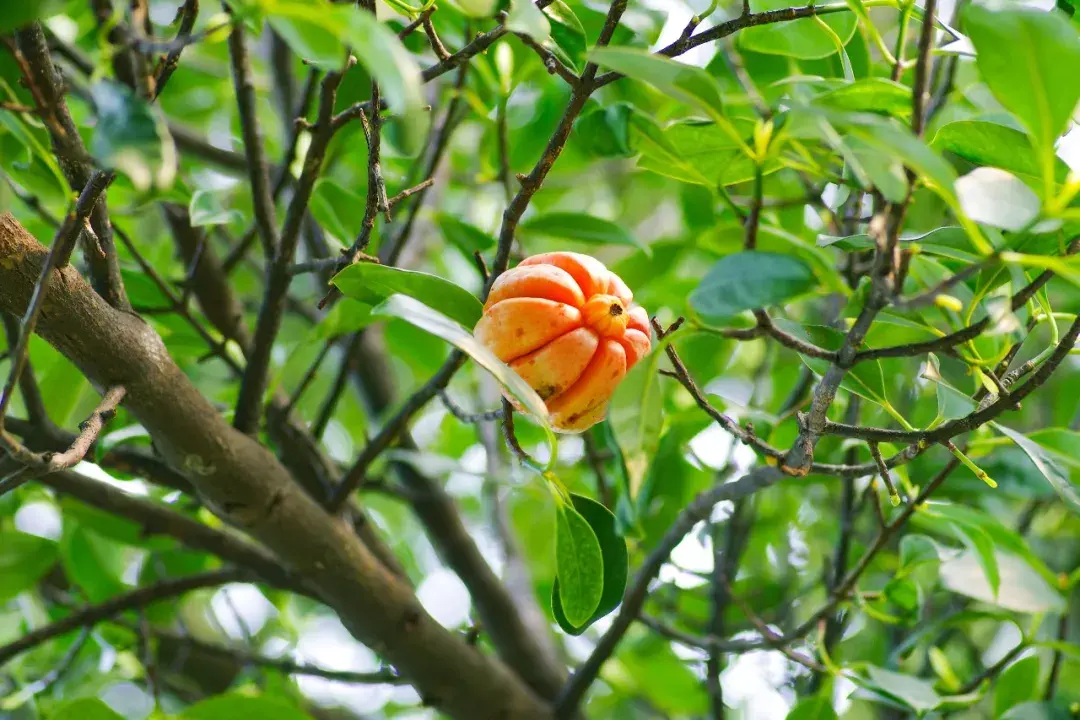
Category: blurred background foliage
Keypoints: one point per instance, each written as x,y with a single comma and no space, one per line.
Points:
646,184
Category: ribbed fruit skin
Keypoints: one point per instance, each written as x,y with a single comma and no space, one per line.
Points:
570,328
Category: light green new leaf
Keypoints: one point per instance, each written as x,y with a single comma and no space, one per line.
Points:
372,283
1036,77
434,322
877,95
686,83
580,566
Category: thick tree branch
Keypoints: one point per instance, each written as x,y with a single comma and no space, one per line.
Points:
241,481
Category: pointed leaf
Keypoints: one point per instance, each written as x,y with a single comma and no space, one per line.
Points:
616,564
747,280
580,566
686,83
372,283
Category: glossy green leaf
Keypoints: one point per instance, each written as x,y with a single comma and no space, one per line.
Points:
1018,683
206,208
615,564
580,563
24,559
579,227
1035,79
686,83
917,550
372,283
229,707
441,326
747,280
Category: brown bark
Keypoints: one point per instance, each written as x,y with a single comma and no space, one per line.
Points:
242,481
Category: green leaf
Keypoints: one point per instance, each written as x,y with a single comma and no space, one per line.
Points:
477,8
372,283
439,325
1037,711
605,131
1022,589
916,693
1036,78
206,209
467,238
24,559
869,95
904,594
320,33
685,83
567,33
804,39
94,563
525,18
636,413
916,549
615,564
232,706
979,543
818,707
1047,465
703,153
338,210
580,566
997,198
131,136
1018,683
17,13
580,227
987,143
747,280
85,709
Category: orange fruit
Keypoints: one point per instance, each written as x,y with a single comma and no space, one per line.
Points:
569,327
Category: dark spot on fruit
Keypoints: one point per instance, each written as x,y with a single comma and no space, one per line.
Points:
546,391
616,310
519,332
